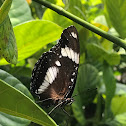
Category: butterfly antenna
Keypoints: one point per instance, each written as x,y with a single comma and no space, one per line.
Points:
44,100
65,111
55,108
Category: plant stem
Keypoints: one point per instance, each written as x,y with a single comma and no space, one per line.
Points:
61,11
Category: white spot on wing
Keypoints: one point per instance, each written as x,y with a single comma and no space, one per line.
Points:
72,55
55,71
76,58
60,56
73,73
51,75
43,87
72,80
76,68
63,52
68,52
58,63
74,35
46,78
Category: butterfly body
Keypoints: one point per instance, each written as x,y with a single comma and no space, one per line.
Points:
54,75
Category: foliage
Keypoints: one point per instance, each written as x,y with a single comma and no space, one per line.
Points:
32,29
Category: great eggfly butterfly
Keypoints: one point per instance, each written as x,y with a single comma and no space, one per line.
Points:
54,75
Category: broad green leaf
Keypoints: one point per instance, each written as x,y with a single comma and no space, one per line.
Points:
95,2
5,118
87,80
56,18
76,7
118,105
8,47
4,9
116,11
110,122
32,36
110,85
99,53
19,12
107,45
115,58
106,15
85,90
18,104
87,77
120,89
77,109
8,78
57,2
9,120
121,118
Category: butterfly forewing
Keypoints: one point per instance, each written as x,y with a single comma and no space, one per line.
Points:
55,73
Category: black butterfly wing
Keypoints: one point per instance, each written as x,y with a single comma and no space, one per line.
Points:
55,73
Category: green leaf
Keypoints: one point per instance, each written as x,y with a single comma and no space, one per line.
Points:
99,53
57,2
87,80
95,2
34,35
107,45
18,104
76,7
8,78
120,89
116,11
121,118
110,85
118,105
9,120
85,90
87,77
5,118
4,10
56,18
113,58
8,47
77,109
19,12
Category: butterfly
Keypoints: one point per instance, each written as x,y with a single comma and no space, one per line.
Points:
55,73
